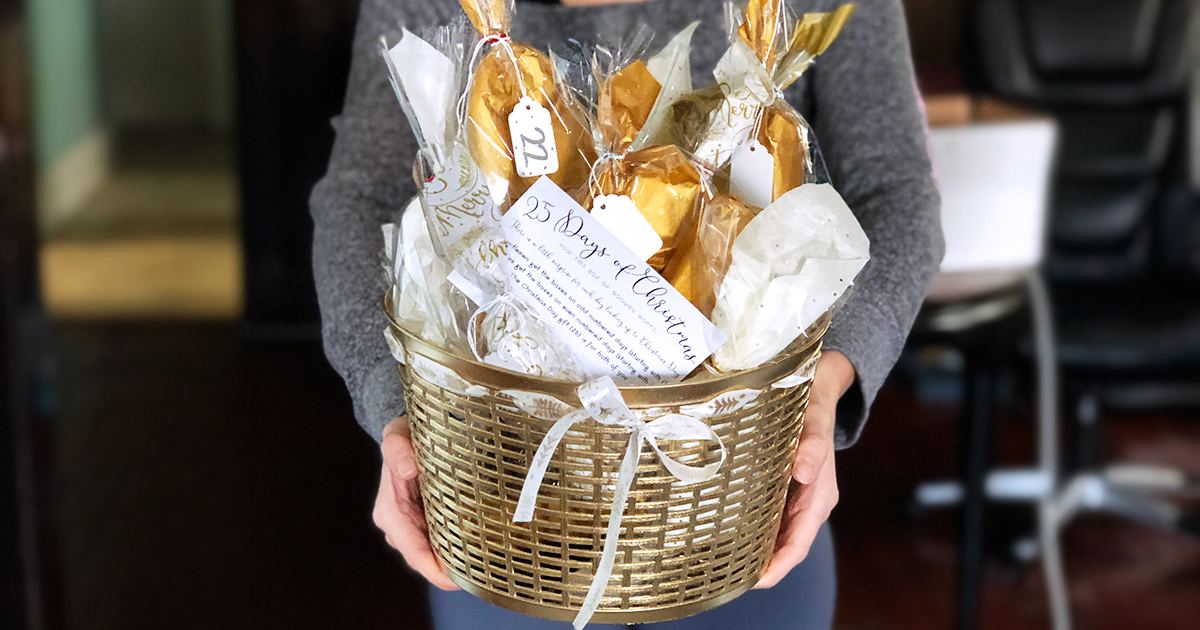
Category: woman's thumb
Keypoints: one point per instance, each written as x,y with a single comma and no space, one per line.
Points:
810,457
397,449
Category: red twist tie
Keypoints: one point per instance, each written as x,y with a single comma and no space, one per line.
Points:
492,40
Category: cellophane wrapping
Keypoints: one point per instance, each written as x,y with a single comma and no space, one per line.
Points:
726,181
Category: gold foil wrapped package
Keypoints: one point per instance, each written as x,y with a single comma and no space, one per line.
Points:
662,182
626,100
667,189
760,29
785,135
512,75
690,117
699,266
489,17
637,99
769,51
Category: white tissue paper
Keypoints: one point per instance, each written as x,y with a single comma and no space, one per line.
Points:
790,265
425,77
464,223
421,294
672,68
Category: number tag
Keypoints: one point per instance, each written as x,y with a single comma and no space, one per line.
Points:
534,150
620,216
752,174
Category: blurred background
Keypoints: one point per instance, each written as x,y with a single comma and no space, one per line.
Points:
176,452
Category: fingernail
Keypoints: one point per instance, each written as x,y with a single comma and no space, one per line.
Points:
804,472
407,469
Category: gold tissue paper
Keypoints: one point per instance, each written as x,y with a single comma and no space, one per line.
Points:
768,53
508,72
665,186
662,181
698,268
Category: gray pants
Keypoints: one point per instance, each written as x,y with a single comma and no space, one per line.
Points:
802,601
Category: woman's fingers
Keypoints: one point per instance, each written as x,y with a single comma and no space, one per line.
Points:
399,515
791,549
833,377
398,510
807,509
814,492
397,449
812,451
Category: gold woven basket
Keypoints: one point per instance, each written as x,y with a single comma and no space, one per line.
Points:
683,549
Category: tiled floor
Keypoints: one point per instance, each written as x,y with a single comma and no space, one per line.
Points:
208,481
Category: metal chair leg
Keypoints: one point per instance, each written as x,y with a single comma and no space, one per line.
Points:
1052,565
976,443
1094,493
1049,518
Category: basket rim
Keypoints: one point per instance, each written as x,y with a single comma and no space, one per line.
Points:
699,389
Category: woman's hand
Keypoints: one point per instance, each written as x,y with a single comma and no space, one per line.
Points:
814,489
398,509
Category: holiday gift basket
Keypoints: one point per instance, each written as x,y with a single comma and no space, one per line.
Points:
679,549
607,304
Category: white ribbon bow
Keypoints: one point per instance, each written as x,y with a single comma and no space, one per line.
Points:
603,402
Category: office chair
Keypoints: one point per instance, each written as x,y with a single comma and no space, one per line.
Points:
994,179
1121,297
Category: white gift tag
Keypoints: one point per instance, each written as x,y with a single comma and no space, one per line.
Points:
534,149
620,216
752,174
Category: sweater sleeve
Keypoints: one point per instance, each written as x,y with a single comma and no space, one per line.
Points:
368,183
867,118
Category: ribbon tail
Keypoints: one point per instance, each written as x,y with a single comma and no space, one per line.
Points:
689,474
539,464
608,556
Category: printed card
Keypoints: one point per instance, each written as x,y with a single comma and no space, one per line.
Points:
611,307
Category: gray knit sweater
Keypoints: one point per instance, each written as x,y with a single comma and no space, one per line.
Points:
859,96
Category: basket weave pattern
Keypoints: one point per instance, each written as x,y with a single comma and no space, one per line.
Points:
683,549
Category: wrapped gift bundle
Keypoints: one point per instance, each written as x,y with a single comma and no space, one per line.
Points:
603,258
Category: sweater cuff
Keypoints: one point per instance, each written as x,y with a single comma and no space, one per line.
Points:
379,399
863,334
